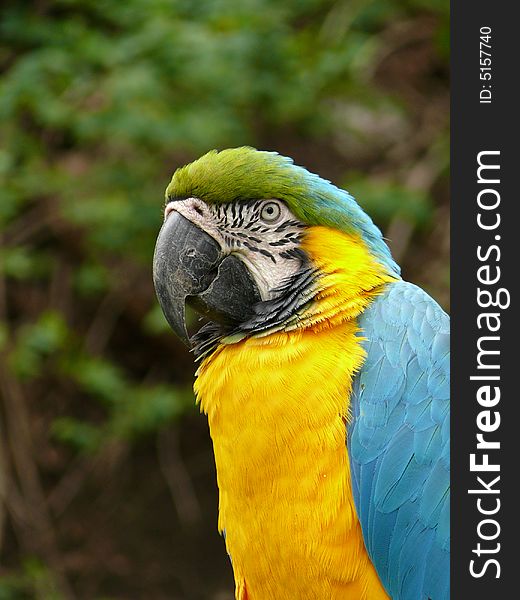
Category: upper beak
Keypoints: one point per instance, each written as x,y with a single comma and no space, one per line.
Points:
189,266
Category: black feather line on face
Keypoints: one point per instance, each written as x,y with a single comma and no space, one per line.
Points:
294,253
291,296
260,251
283,242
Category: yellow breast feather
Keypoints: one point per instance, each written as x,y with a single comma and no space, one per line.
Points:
277,407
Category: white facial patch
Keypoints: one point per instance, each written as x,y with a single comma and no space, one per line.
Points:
264,234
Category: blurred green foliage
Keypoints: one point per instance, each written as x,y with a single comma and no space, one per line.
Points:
33,580
99,102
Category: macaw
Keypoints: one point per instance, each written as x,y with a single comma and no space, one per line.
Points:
324,377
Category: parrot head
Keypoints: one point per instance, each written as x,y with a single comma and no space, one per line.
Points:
257,244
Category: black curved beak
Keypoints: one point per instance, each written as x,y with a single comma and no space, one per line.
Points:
189,267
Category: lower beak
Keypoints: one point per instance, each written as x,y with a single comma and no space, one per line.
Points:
189,267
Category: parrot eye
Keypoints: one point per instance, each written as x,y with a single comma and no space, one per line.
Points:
270,212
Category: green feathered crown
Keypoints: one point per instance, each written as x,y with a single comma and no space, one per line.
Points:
249,174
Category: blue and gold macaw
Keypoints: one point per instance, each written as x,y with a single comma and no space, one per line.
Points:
325,379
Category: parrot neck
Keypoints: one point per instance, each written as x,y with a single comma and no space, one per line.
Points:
349,277
277,408
339,280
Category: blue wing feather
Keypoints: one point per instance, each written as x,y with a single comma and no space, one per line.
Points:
398,441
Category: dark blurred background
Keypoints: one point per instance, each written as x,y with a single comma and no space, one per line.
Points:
107,483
